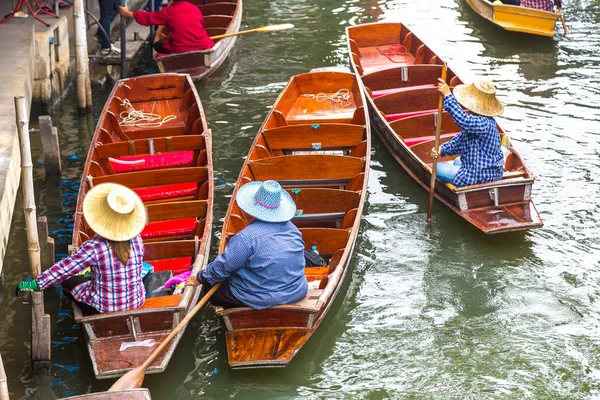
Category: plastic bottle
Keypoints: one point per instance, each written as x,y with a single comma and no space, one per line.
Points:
314,248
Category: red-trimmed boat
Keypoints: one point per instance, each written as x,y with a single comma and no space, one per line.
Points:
168,163
399,73
220,17
316,143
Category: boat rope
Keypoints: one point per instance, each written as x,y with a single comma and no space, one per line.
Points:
139,118
342,97
396,53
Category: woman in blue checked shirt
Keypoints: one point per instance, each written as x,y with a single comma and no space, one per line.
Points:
478,144
263,264
118,216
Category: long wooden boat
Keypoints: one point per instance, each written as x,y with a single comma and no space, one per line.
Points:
399,74
319,151
128,394
516,18
220,17
169,164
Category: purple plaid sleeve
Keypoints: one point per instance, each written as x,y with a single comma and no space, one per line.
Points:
67,267
544,5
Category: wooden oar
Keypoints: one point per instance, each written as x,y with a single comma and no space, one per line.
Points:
562,19
134,378
269,28
436,146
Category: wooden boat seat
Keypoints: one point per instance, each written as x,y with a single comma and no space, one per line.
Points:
168,177
220,8
327,240
413,76
306,168
372,58
319,200
155,161
167,191
306,109
217,21
173,219
323,136
318,217
385,92
309,303
151,303
422,125
177,265
399,116
418,140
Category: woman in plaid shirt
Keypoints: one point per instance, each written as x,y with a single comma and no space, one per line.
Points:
118,216
478,144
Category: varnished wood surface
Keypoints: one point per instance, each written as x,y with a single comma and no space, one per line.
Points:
163,94
397,91
319,151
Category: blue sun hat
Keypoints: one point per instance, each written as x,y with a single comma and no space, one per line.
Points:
266,201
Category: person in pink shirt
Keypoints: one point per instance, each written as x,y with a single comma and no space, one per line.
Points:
184,24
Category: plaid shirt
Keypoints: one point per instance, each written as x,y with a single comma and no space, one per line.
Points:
114,287
545,5
478,145
264,263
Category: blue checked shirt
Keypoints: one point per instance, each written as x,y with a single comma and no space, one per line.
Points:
478,145
264,263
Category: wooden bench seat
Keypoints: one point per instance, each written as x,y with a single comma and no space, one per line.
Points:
320,136
143,146
306,167
166,176
309,304
151,304
220,8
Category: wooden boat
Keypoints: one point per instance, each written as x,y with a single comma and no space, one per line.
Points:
169,164
516,18
128,394
220,17
399,74
319,151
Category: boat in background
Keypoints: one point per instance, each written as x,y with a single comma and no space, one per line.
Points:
220,17
516,18
167,162
399,73
316,143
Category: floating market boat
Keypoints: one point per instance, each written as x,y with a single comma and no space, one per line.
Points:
220,18
399,73
164,155
316,143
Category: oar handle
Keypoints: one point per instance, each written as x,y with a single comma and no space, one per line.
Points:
436,146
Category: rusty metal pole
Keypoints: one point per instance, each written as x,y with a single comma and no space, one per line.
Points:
40,322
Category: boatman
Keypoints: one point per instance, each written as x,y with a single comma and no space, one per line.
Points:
118,216
478,144
544,5
263,264
184,24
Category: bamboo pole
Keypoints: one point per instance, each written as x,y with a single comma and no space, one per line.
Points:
40,322
84,92
3,382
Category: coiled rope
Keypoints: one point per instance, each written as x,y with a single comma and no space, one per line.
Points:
133,117
342,97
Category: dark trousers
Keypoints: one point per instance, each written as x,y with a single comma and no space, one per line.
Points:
223,296
69,285
160,47
157,4
108,11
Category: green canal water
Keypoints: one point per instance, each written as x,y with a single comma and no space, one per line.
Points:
446,313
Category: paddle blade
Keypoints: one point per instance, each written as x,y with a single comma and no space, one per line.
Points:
131,380
272,28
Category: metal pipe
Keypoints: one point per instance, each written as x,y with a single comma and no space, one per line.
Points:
152,27
123,45
56,7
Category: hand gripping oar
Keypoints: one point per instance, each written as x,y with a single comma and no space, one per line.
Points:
134,378
562,19
436,146
270,28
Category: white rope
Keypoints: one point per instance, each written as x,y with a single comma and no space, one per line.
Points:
133,117
342,97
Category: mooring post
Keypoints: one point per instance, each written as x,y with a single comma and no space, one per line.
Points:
82,65
46,243
40,322
123,43
3,382
152,27
50,147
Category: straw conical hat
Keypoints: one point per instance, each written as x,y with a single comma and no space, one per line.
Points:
114,212
479,97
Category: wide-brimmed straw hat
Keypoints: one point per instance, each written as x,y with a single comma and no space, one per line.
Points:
479,97
266,201
114,212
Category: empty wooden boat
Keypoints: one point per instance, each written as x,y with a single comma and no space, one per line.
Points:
517,18
220,17
399,74
168,163
316,143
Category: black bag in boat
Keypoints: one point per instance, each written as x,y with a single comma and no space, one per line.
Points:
313,259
